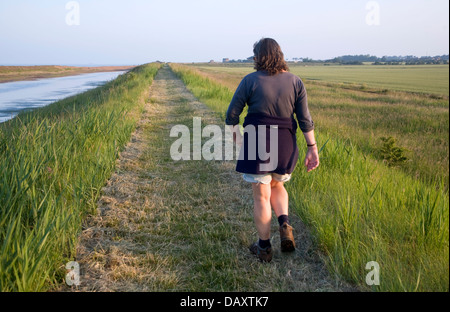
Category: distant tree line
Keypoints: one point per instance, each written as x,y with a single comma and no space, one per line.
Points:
361,59
346,59
385,60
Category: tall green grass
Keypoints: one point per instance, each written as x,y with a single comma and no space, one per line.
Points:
359,210
53,163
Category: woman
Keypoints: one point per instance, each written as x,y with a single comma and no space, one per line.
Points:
273,95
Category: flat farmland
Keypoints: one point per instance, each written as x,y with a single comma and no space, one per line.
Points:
425,79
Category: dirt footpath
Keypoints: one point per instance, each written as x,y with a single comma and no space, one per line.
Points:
165,225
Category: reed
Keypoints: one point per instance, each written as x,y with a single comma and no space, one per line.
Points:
53,163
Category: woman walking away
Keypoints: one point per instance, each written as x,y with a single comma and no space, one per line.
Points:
273,95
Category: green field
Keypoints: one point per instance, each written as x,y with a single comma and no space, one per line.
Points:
427,79
359,208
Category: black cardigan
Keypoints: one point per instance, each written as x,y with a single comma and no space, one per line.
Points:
287,153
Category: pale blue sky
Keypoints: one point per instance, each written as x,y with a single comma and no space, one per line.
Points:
141,31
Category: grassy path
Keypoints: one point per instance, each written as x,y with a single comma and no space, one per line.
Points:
184,226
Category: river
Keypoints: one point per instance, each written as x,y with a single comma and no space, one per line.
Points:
24,95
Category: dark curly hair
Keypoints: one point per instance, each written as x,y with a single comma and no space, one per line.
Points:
269,57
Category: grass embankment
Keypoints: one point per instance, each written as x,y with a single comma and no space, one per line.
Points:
166,225
17,73
360,210
53,163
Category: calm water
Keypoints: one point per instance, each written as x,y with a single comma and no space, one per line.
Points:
21,95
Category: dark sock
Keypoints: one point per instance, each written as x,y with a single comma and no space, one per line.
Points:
282,219
264,243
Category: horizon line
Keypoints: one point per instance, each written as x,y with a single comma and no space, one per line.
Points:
137,64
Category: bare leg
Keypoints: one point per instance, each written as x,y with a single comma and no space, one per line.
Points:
262,211
279,198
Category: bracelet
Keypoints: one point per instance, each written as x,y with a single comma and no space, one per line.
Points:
311,145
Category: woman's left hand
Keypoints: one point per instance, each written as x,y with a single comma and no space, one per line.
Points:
312,158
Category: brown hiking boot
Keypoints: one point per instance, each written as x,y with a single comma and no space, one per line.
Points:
264,254
287,238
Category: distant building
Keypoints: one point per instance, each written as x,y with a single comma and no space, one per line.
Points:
226,60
